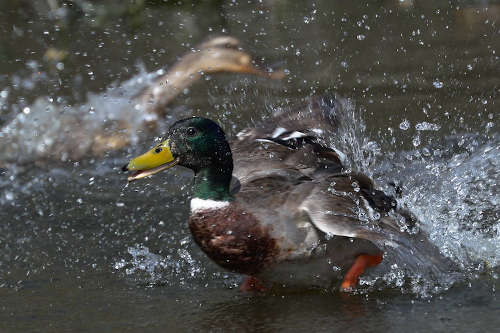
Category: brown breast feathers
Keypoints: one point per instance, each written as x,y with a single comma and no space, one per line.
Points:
234,239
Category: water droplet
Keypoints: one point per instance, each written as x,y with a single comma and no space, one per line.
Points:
405,124
438,84
9,196
416,141
361,37
26,110
425,126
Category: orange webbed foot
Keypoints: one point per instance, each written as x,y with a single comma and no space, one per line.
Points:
360,264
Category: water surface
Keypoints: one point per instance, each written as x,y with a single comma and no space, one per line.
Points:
80,251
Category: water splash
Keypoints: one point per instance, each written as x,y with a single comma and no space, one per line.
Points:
453,191
459,202
179,268
153,269
53,131
359,150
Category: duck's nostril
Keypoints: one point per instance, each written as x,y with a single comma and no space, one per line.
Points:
125,168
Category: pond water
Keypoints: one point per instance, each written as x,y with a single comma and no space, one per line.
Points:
82,251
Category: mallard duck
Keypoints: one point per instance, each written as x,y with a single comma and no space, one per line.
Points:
276,203
215,55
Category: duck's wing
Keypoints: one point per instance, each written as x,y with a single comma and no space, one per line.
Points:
349,205
287,164
293,143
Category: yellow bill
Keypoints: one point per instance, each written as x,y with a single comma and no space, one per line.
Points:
157,159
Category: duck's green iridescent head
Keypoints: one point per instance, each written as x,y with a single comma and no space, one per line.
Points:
196,143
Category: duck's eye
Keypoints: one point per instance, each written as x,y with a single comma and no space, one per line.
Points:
157,150
191,131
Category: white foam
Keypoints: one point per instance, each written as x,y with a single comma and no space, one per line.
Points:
198,204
